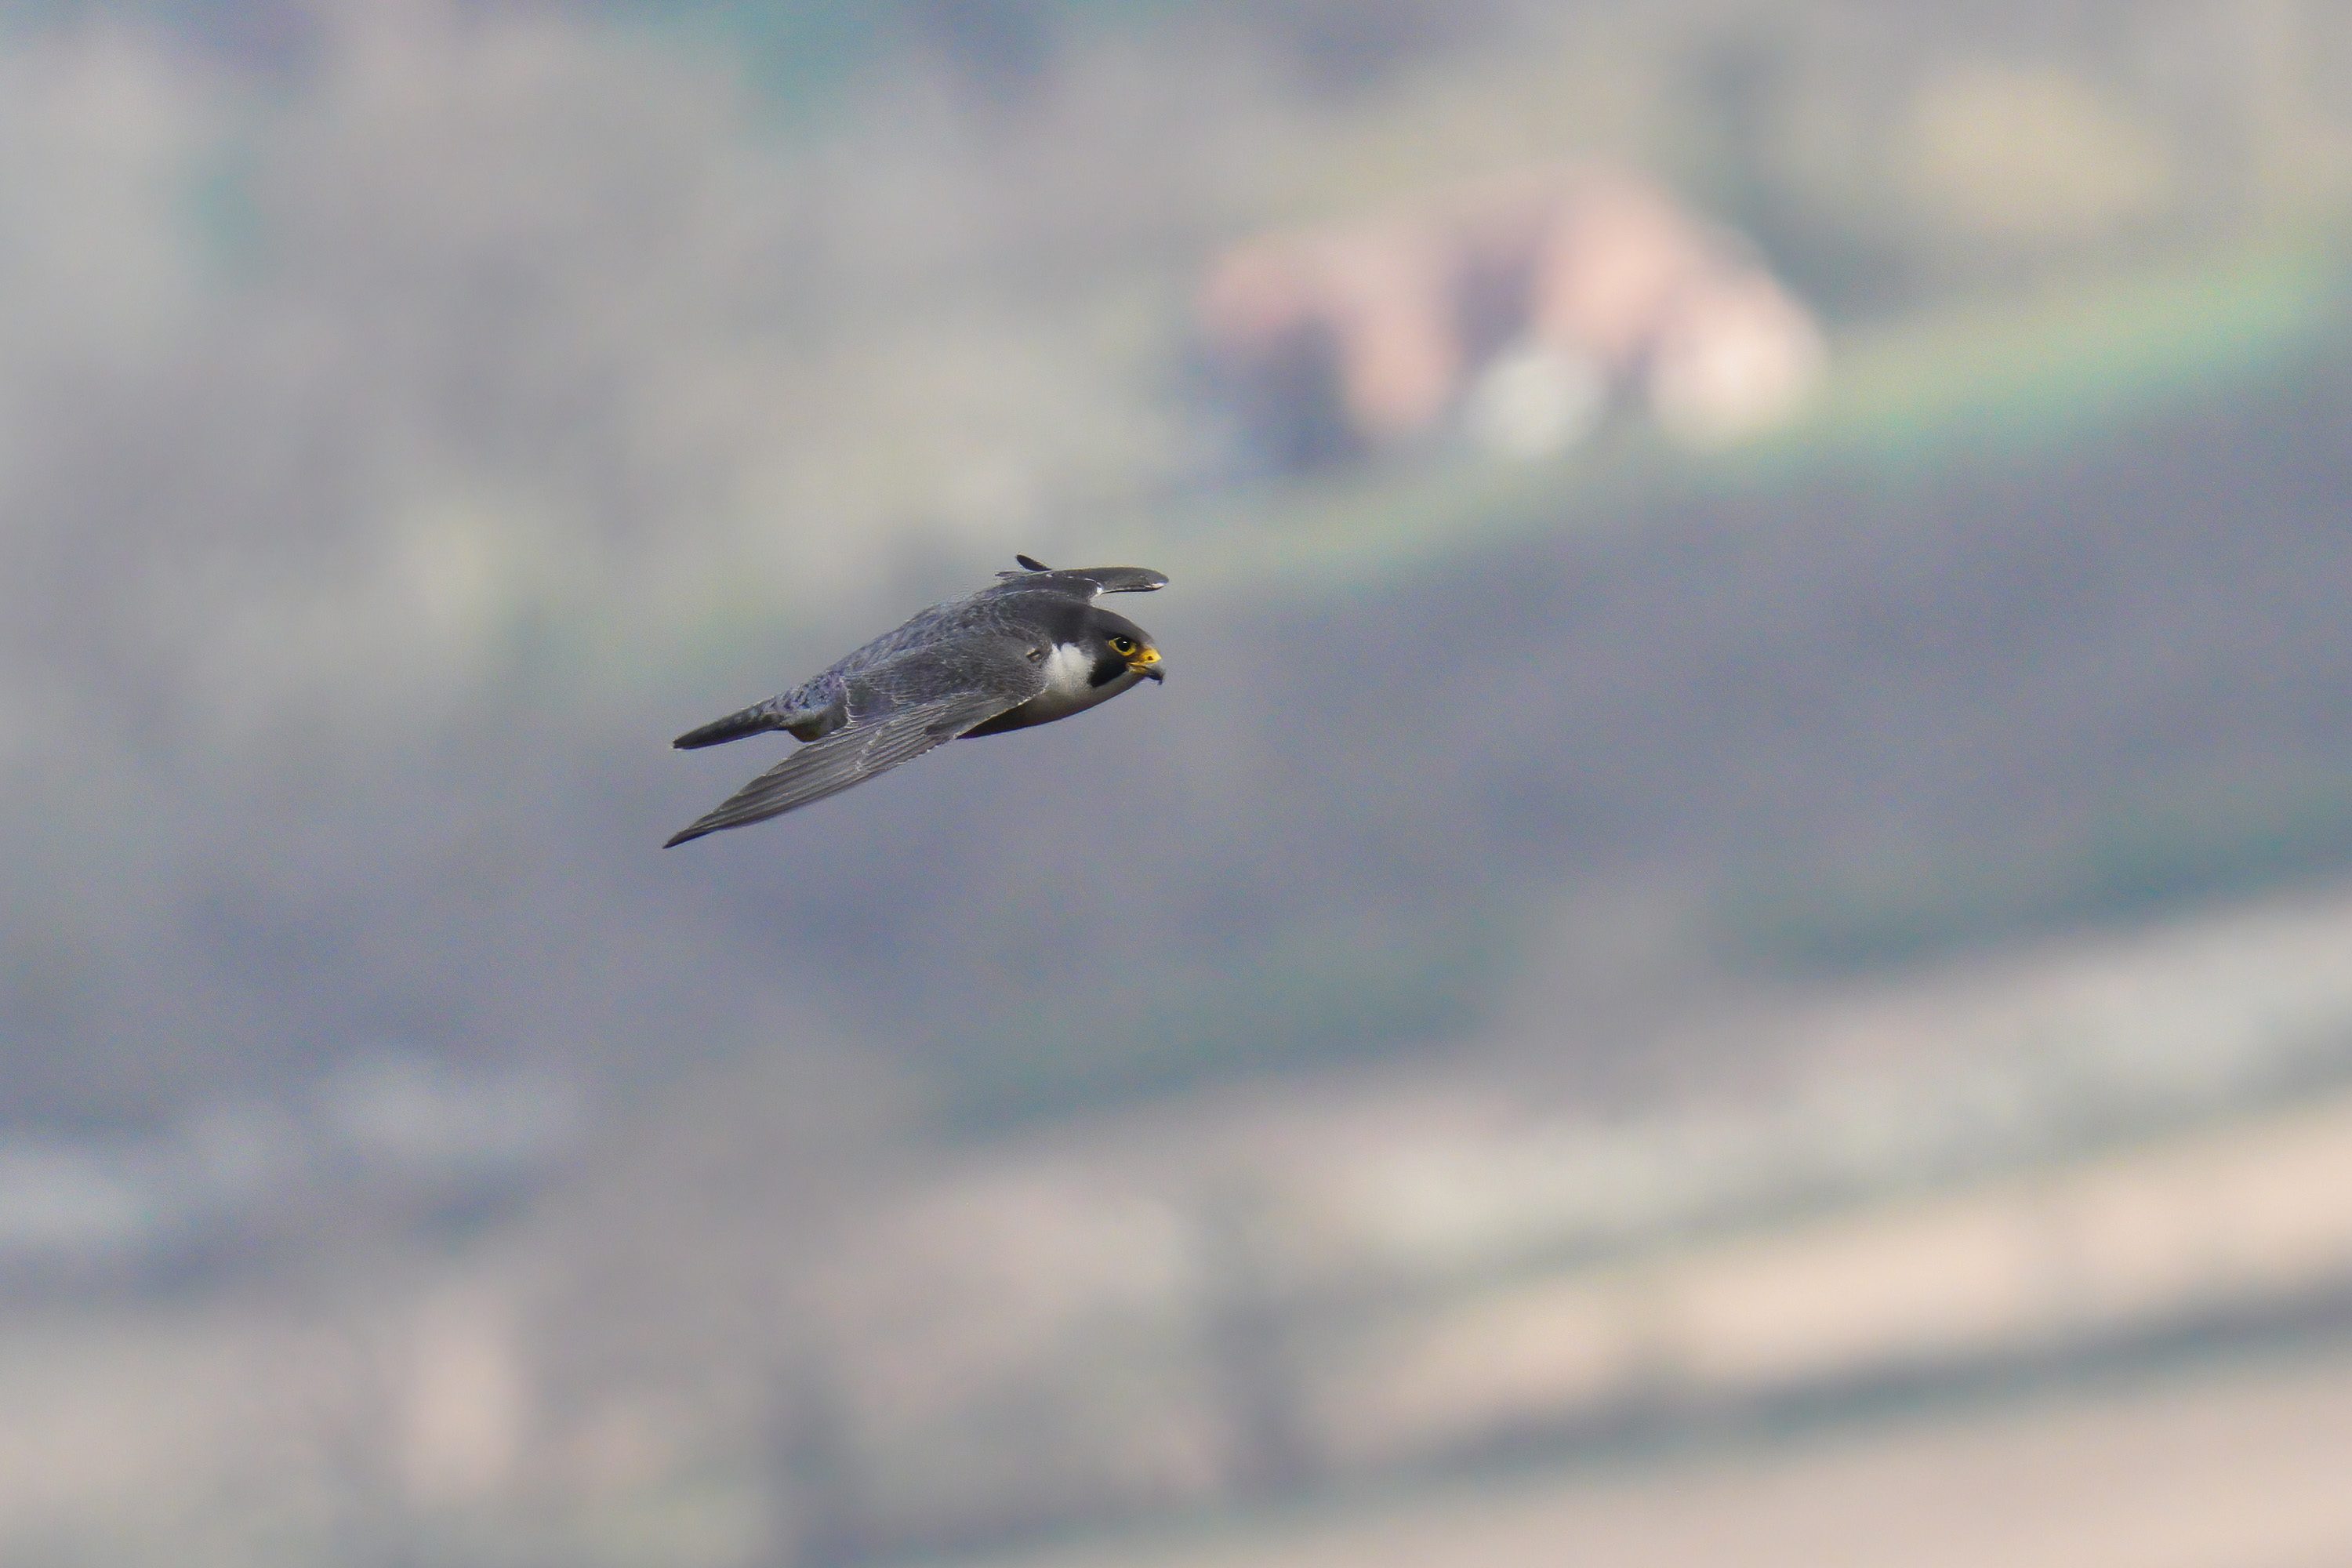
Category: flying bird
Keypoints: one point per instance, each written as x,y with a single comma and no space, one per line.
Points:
1032,648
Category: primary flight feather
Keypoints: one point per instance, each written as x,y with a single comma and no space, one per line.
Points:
1031,648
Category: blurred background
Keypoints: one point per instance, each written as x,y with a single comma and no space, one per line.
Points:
1731,942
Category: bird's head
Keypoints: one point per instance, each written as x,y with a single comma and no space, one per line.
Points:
1122,648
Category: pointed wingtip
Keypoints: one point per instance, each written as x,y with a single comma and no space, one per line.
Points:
681,837
1030,564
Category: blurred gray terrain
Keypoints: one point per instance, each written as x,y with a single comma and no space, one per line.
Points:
411,415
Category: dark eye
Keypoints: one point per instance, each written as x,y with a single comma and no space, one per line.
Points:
1122,646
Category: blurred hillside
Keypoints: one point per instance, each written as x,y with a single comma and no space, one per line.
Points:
411,414
459,398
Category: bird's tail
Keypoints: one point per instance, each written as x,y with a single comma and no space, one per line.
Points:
758,718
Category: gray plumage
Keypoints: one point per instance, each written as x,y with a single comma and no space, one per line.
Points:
1028,649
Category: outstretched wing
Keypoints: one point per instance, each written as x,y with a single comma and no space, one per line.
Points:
846,757
897,711
1077,581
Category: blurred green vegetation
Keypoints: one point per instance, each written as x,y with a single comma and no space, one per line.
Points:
2012,380
2141,858
1329,990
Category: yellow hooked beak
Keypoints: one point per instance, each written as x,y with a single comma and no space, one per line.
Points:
1147,663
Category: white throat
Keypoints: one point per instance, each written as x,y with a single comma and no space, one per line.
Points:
1068,669
1069,673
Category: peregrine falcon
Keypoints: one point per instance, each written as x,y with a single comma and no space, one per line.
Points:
1031,648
